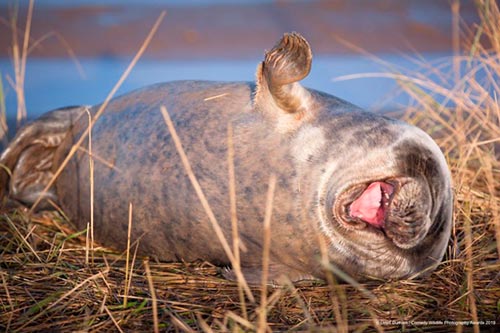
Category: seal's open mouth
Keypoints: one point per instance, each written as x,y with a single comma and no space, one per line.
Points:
366,204
371,205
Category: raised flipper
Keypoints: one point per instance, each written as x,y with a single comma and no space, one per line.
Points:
27,162
277,76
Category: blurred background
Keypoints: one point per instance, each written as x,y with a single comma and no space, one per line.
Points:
78,49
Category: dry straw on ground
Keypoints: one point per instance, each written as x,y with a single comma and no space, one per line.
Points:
48,284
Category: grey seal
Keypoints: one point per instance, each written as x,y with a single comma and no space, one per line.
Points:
376,190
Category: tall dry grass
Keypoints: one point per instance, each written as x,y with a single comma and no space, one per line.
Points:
4,129
463,114
22,45
48,283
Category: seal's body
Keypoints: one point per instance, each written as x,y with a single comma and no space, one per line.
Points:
375,190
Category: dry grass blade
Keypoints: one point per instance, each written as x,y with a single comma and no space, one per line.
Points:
295,293
9,300
234,217
24,239
87,243
26,40
469,266
4,130
99,159
455,36
60,299
215,97
241,321
203,200
91,177
181,325
19,57
342,275
64,44
153,296
265,254
113,319
203,324
128,275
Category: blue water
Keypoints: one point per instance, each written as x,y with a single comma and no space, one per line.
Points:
53,83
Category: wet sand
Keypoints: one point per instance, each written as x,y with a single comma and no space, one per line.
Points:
239,31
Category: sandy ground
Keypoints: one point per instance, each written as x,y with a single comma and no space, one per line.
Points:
238,31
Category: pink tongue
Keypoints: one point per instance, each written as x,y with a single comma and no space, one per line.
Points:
369,206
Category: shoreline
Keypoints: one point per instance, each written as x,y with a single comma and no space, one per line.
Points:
238,31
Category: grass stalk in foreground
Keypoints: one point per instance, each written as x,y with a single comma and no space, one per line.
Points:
262,327
153,296
128,274
233,212
203,200
90,243
4,129
19,58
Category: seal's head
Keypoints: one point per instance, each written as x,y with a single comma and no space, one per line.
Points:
389,207
400,206
380,188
